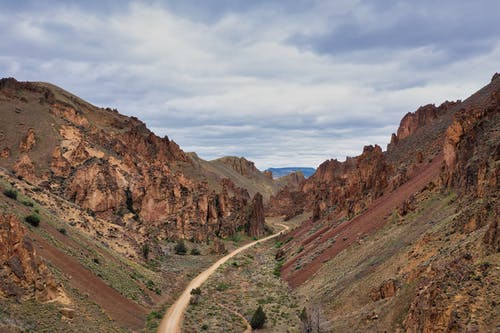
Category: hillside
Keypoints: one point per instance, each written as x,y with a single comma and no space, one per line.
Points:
108,198
103,224
406,239
241,172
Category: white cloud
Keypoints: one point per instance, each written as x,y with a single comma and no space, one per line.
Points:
240,84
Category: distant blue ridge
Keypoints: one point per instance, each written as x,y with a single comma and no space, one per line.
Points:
280,172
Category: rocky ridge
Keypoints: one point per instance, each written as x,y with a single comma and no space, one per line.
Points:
440,273
114,167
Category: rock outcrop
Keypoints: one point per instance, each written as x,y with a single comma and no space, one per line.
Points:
256,220
425,116
387,289
22,273
115,168
25,168
435,190
348,186
28,141
239,164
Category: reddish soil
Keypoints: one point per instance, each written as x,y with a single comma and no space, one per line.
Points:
365,224
124,311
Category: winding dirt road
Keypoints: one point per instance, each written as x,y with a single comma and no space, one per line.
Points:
172,321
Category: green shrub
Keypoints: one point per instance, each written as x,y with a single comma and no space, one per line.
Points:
180,248
195,291
277,269
195,252
150,285
33,219
145,250
62,231
236,237
27,203
204,327
221,286
11,193
258,318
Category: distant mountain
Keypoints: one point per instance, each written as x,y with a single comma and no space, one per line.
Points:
280,172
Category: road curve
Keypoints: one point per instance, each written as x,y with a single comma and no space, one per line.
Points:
171,322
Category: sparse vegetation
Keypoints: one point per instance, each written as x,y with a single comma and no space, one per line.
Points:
277,268
195,251
33,219
236,237
152,320
221,286
62,231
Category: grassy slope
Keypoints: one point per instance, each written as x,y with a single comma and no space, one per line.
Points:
406,245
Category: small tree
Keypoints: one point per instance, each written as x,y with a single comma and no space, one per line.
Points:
33,219
311,319
195,296
145,251
306,321
258,318
180,247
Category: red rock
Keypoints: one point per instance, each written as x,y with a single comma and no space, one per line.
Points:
23,274
256,220
5,153
28,141
25,168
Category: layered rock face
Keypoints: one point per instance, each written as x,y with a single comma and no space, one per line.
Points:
472,151
114,167
22,273
239,164
424,257
256,219
413,121
348,186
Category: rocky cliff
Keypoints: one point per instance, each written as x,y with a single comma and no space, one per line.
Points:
407,239
348,186
113,166
23,274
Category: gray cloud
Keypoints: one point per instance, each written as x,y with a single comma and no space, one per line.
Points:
281,83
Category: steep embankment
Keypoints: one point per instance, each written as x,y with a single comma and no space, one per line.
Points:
108,195
350,232
113,166
406,239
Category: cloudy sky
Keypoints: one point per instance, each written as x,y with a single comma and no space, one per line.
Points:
280,82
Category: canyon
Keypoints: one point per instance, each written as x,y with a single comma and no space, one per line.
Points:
404,239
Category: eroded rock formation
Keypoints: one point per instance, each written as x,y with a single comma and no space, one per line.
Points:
349,186
22,273
115,168
256,219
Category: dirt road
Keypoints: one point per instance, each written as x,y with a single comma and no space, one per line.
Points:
172,321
